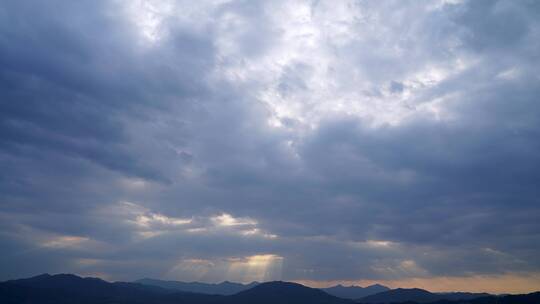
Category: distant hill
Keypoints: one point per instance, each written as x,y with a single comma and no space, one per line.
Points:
71,289
454,296
416,295
224,288
354,292
230,288
402,295
80,285
283,293
531,298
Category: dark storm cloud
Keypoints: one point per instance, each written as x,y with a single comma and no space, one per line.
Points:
71,79
121,148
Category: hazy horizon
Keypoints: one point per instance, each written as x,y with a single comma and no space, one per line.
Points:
310,141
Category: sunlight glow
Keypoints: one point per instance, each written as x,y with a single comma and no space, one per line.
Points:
65,242
226,219
146,220
148,16
194,268
495,284
261,267
380,244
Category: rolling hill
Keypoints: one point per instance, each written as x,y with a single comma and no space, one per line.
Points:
354,292
402,295
283,293
224,288
72,289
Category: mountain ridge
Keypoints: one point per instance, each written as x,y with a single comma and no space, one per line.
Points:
279,292
354,292
230,288
418,295
223,288
402,295
72,289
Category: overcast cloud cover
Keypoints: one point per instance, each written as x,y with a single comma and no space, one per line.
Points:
315,141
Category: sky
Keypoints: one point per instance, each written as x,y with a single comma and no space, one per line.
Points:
320,142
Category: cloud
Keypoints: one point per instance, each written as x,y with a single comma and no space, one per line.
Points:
351,141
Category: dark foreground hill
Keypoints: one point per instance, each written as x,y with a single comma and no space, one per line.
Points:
71,289
354,292
402,295
531,298
224,288
283,293
230,288
455,296
418,296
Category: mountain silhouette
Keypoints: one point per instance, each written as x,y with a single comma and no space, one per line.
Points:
72,289
230,288
531,298
283,293
77,284
402,295
416,295
454,296
224,288
354,292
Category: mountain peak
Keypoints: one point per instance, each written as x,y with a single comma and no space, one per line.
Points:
376,285
280,292
402,295
40,276
223,288
354,292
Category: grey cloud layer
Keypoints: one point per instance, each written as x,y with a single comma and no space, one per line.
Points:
365,140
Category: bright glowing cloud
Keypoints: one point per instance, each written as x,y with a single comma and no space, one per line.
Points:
227,220
65,242
262,267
